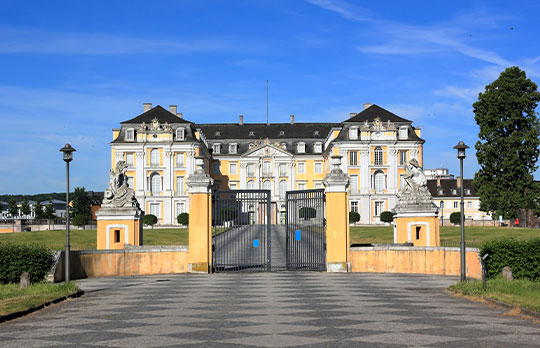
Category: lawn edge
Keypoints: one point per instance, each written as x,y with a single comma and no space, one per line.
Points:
478,298
30,310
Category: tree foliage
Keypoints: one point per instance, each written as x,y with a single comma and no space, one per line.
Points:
183,219
38,211
81,204
507,149
25,208
307,213
354,217
80,220
49,212
455,218
12,208
387,216
149,219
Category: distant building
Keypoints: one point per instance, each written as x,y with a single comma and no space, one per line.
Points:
96,198
438,173
59,207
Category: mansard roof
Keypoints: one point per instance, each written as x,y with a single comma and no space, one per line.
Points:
271,131
159,113
375,111
450,188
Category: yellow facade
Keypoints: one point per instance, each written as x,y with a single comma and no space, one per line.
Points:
114,234
419,230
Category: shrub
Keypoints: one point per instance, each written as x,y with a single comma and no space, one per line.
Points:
354,217
18,258
387,216
307,213
149,219
80,220
455,218
522,256
183,219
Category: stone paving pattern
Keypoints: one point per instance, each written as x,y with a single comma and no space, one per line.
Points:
270,310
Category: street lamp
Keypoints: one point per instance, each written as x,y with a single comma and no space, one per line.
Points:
461,155
441,205
67,156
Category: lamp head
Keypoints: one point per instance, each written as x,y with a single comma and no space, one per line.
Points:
461,149
67,152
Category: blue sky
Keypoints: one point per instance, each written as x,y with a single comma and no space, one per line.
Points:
71,71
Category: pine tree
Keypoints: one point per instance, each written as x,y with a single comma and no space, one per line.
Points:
507,149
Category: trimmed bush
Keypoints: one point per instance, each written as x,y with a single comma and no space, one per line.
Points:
522,256
18,258
307,213
149,219
455,218
387,216
183,219
354,217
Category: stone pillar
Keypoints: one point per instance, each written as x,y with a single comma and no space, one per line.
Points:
200,219
337,218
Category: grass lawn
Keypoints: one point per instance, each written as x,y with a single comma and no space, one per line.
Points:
520,292
450,235
86,239
14,299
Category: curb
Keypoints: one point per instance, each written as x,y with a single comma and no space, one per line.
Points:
19,314
509,306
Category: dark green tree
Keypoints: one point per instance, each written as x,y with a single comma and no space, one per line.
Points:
80,220
149,219
49,212
25,208
387,216
507,149
307,213
455,218
183,219
354,217
13,210
38,211
81,204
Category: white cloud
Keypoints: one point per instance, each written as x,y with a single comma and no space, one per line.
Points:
344,9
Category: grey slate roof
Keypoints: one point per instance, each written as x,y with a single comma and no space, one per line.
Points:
263,131
374,111
158,112
446,187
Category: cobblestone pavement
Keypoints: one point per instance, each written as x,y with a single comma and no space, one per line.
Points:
270,310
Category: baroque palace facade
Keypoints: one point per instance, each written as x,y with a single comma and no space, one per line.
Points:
160,147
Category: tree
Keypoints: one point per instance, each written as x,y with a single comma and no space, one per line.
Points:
25,208
307,213
354,217
387,216
507,149
38,211
183,219
12,208
81,204
455,218
149,219
49,212
80,220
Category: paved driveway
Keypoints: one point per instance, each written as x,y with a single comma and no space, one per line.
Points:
270,310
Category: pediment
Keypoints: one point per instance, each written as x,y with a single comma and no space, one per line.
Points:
267,150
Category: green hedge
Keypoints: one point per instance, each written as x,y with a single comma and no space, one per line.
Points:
18,258
522,256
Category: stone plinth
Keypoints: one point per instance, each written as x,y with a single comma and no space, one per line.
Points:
117,227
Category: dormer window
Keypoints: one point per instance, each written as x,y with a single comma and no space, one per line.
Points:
318,147
251,146
251,133
454,191
218,133
403,132
130,134
467,191
316,133
217,149
180,134
281,133
353,133
233,148
301,147
440,192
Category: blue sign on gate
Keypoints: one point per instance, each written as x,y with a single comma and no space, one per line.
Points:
297,235
255,243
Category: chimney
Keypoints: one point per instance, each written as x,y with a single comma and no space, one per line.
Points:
438,181
367,105
147,107
180,115
292,119
352,114
173,109
458,181
241,120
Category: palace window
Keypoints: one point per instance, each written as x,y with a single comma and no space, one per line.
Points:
233,186
282,169
403,132
130,182
467,191
402,158
180,134
233,148
353,158
216,167
456,203
354,183
155,210
216,148
318,167
353,133
154,157
354,206
155,184
251,185
130,134
378,156
318,185
267,185
232,168
251,169
301,167
282,189
469,204
318,147
379,206
301,147
179,159
129,159
180,208
267,168
301,186
380,181
180,185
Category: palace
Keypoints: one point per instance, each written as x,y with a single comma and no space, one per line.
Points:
160,147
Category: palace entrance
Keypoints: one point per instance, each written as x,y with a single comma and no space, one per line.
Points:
247,238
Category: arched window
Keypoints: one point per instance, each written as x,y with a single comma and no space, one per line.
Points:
154,157
267,185
155,184
251,185
378,156
380,181
282,189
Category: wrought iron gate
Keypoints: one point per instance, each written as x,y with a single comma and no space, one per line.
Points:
241,230
306,225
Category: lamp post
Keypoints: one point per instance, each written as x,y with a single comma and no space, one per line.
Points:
460,147
67,151
441,205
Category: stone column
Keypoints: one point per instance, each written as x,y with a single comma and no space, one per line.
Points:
200,219
337,218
